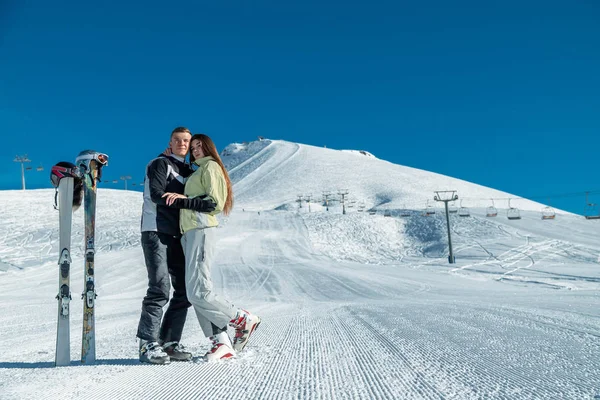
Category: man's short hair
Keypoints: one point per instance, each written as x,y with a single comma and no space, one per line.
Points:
180,129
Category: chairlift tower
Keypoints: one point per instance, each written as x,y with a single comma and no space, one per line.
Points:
308,197
447,196
343,193
22,159
125,178
326,195
299,200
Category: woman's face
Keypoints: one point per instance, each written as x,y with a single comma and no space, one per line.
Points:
196,149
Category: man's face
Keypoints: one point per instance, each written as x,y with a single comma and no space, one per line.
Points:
180,143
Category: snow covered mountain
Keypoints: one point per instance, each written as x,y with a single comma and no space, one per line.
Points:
354,306
271,174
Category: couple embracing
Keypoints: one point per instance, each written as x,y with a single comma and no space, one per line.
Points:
178,241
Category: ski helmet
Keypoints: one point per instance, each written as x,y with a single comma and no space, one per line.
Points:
66,169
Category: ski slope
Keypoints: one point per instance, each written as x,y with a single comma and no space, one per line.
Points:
354,306
272,173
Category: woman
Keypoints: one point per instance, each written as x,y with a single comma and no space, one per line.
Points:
209,181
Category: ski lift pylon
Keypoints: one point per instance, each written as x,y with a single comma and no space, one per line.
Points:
512,212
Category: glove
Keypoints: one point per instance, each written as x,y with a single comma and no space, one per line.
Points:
200,204
205,205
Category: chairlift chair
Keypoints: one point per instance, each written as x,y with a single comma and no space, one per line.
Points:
40,168
548,213
452,209
463,211
28,168
115,181
429,210
404,212
387,213
591,210
512,212
491,211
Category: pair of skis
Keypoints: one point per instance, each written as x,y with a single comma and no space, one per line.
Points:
72,182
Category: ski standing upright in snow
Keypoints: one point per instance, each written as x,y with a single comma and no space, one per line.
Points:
90,165
66,179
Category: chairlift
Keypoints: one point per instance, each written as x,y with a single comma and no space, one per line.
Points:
591,210
429,210
452,209
372,212
387,213
361,206
463,211
491,211
28,168
512,212
40,168
115,181
548,213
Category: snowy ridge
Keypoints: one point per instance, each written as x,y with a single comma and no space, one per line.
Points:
275,172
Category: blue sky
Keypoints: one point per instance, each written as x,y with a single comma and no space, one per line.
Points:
504,94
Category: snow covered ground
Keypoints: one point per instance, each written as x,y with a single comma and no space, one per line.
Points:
355,306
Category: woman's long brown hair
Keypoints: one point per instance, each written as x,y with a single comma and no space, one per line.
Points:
209,148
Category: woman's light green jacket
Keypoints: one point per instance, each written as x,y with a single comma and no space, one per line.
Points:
207,180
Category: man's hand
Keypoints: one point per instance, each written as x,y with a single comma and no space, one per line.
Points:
205,205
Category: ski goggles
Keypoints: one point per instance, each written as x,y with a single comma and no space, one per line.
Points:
85,157
102,158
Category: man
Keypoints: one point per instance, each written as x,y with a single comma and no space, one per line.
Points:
160,337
